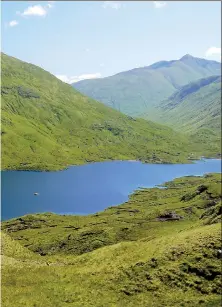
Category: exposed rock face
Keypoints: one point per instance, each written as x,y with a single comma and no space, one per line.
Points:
201,189
170,216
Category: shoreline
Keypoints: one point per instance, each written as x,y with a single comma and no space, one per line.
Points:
189,161
160,186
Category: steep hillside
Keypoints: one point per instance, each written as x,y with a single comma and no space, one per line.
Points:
46,124
196,105
138,90
196,110
161,248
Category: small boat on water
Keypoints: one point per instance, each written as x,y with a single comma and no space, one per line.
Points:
36,193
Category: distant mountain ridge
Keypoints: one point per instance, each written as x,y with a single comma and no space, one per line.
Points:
138,90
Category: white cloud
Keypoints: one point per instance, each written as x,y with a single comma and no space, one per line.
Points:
112,4
74,79
37,10
63,78
159,4
13,23
213,51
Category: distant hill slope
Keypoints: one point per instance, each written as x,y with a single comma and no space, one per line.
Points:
46,124
136,91
195,106
195,110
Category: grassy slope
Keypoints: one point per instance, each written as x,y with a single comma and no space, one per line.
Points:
195,106
136,91
46,124
196,110
123,256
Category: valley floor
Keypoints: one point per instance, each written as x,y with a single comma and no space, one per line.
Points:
161,248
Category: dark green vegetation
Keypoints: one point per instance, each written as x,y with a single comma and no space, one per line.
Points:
139,90
161,248
46,124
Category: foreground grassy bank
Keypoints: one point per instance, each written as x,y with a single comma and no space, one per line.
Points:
161,248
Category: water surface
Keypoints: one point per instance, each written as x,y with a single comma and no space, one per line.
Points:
88,188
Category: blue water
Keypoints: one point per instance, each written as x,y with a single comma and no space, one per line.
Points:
89,188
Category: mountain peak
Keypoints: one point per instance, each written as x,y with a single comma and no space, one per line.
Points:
186,57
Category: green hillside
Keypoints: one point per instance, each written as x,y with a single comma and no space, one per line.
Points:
46,124
196,110
139,90
161,248
195,106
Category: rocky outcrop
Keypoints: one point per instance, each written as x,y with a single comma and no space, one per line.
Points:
170,216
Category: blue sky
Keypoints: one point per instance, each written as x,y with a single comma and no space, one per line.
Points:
78,40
